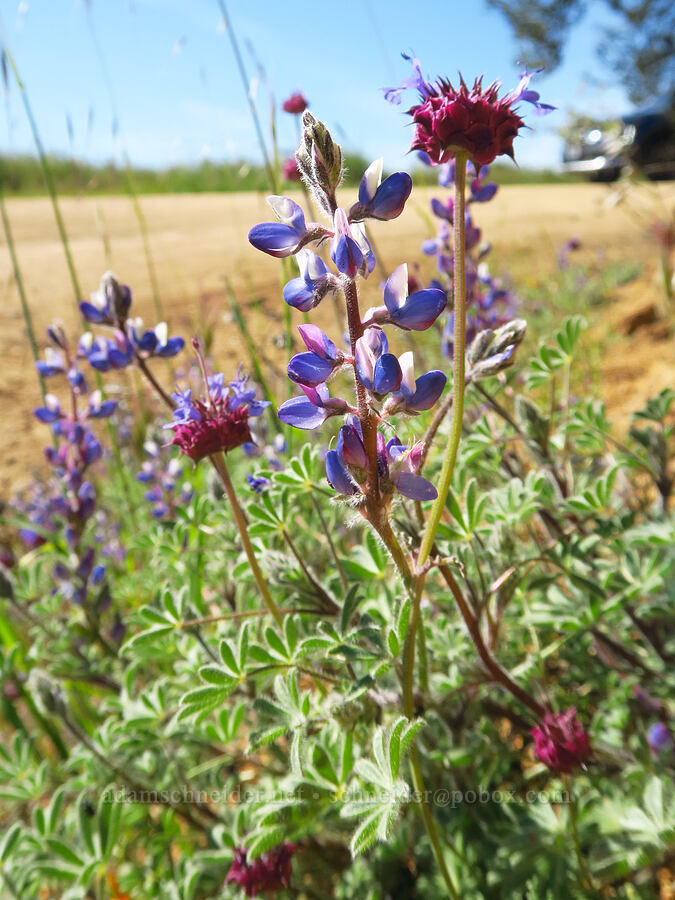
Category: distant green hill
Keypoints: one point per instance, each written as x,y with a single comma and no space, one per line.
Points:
22,176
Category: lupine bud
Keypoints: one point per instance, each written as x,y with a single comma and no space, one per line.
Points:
319,159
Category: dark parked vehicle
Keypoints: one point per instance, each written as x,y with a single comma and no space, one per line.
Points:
644,140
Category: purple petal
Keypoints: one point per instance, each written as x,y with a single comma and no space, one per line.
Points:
317,341
309,368
429,388
350,447
299,412
414,486
274,238
93,314
387,374
391,196
338,476
347,255
420,310
301,294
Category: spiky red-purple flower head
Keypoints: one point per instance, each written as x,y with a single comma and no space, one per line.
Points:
218,421
267,874
560,741
474,120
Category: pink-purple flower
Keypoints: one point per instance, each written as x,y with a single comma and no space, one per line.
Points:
560,741
474,120
267,874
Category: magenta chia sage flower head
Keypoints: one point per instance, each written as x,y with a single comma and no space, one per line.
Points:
269,873
296,104
560,741
475,120
218,422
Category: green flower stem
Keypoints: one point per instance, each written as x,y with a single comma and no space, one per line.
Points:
459,279
414,588
219,464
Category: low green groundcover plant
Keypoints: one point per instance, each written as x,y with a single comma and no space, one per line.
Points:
425,653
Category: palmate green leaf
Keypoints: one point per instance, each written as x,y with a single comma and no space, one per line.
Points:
64,852
85,823
109,822
259,842
10,840
145,639
366,834
203,700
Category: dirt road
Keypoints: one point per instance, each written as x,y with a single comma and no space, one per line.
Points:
196,240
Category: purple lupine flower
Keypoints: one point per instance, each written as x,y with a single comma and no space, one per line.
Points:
54,363
314,282
98,408
383,200
344,250
104,354
319,362
415,312
378,370
560,741
403,464
659,737
414,396
258,483
397,465
155,341
313,409
109,304
285,237
51,411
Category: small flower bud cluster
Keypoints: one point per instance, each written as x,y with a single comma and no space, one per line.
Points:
319,161
130,341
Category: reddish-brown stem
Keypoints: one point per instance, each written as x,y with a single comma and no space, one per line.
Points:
499,674
366,417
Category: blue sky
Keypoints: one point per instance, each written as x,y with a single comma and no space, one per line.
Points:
172,80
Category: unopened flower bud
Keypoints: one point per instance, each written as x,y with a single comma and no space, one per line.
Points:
319,160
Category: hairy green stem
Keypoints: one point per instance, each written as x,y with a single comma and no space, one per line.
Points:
219,464
459,281
414,589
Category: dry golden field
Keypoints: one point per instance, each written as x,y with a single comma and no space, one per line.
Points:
197,240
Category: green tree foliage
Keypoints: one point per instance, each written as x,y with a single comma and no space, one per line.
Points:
640,48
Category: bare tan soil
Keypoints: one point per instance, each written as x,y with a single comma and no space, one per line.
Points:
197,240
